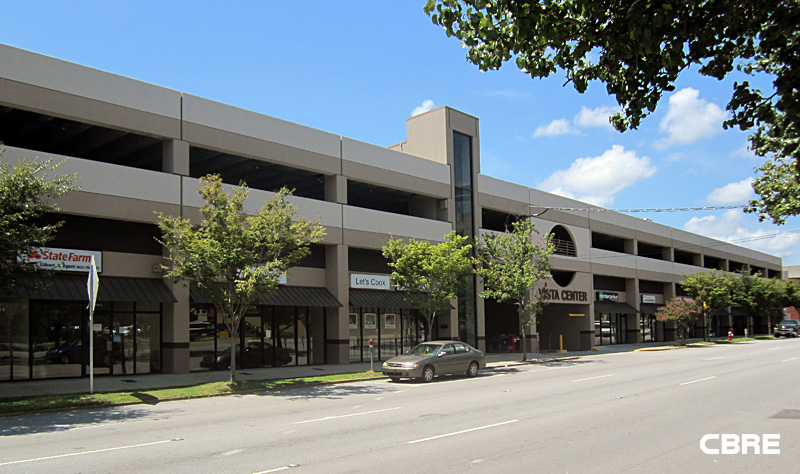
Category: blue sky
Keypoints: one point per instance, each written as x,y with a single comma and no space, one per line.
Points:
360,68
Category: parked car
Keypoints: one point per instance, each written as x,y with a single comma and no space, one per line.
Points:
429,359
74,352
200,329
251,357
787,328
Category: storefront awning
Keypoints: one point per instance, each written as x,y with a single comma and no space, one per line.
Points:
287,296
649,308
613,308
378,299
73,288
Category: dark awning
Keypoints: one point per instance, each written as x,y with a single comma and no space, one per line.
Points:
378,299
73,288
611,307
649,308
736,311
287,296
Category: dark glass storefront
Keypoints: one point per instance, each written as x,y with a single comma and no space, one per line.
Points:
41,339
393,331
269,336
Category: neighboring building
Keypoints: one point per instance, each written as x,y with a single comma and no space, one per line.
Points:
139,149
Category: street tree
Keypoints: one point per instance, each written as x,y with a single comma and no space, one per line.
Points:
684,313
639,49
758,296
790,293
713,289
430,275
27,193
233,258
512,264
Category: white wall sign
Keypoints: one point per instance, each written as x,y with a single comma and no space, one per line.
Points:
63,260
372,282
648,298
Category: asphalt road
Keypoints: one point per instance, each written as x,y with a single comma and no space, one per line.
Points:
626,412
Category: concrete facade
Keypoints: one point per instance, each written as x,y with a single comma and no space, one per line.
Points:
138,149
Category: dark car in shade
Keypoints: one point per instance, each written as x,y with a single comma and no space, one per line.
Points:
255,354
429,359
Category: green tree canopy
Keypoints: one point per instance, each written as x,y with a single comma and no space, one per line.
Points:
430,274
638,49
757,295
233,258
27,191
714,288
512,265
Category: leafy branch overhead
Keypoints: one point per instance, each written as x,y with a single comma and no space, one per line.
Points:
233,258
27,192
638,49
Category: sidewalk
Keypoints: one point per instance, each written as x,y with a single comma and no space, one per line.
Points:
129,383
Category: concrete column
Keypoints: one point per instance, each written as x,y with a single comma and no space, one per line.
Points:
633,333
175,157
338,283
336,189
175,334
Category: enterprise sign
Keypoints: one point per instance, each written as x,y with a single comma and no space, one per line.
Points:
63,260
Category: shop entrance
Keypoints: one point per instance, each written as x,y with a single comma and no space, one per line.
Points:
392,330
610,329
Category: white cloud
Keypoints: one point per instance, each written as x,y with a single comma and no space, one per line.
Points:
597,179
732,193
744,152
556,127
598,117
690,118
731,227
421,109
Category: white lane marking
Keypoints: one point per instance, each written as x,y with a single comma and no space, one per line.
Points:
713,358
793,358
278,469
347,416
592,378
699,380
231,453
462,432
775,349
45,458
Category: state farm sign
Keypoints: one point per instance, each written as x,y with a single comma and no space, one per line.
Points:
62,260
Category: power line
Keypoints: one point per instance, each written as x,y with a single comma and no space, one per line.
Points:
671,209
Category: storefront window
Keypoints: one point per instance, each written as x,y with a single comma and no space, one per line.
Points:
122,343
14,354
354,321
148,342
286,335
57,342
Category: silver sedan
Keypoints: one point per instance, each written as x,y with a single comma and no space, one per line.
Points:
429,359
